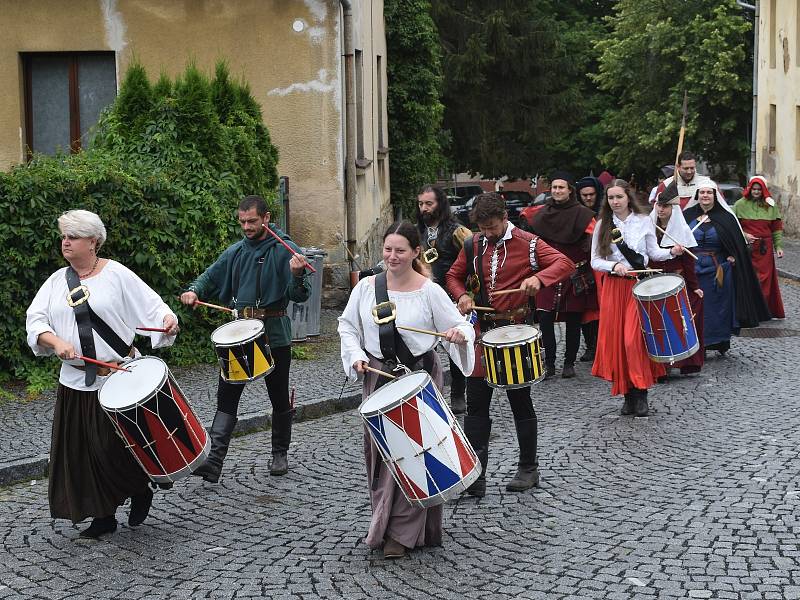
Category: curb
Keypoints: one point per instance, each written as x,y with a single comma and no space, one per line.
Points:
788,275
35,467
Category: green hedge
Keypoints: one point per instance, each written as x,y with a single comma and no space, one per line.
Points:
165,170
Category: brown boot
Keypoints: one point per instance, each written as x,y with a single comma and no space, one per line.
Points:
393,549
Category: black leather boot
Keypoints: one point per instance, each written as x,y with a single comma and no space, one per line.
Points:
527,475
590,337
281,438
140,507
458,405
220,432
629,406
477,430
642,409
100,526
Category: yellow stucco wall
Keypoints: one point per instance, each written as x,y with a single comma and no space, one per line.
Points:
296,76
779,85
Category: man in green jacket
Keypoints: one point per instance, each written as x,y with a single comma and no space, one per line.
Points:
256,261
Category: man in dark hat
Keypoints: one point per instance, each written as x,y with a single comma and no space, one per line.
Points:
663,173
566,225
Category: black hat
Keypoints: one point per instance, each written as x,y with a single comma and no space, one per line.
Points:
669,195
565,175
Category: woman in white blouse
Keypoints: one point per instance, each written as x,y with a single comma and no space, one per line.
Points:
420,303
91,472
621,353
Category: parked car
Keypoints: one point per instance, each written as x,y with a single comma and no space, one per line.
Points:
731,190
515,202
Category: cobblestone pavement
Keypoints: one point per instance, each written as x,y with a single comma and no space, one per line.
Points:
698,501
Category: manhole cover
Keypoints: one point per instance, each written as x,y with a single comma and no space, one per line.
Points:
769,332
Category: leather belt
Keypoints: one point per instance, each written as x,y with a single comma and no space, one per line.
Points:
516,315
104,371
250,312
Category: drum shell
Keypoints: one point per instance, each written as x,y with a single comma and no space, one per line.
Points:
162,431
421,442
512,365
245,360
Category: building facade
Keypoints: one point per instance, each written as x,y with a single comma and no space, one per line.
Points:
777,118
317,67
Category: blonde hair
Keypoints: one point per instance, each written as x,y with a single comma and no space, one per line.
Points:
84,224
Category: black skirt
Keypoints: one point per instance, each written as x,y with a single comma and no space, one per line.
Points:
91,471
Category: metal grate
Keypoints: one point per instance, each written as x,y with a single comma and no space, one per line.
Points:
769,332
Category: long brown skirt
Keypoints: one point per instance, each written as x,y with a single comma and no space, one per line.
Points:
91,471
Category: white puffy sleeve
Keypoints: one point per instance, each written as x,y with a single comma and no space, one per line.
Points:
144,307
445,316
351,331
599,263
37,318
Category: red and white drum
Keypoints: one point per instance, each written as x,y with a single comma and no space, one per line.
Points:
155,420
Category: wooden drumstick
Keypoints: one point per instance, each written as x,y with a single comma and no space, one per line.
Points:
685,249
428,331
290,249
484,308
158,329
503,292
645,271
101,363
217,306
379,372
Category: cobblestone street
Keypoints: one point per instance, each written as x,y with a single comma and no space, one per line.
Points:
700,500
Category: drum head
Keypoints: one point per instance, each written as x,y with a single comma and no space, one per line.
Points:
510,335
237,331
394,392
658,286
123,389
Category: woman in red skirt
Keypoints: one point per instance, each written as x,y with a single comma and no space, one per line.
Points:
624,240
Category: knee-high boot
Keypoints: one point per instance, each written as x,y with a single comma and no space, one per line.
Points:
220,433
590,337
527,475
642,409
477,430
281,438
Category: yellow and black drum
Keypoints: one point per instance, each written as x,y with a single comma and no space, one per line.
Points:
242,350
512,356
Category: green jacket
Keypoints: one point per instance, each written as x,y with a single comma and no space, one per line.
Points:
277,284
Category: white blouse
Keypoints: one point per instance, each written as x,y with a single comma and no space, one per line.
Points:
426,308
117,295
639,234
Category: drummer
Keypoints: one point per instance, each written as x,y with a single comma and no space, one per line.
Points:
507,258
258,277
624,240
419,303
91,471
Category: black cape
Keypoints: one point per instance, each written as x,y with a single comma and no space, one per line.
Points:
751,308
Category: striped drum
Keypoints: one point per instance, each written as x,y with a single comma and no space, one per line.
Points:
512,356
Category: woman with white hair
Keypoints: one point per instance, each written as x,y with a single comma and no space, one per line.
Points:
92,308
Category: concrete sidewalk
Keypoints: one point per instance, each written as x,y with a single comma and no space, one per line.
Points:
789,265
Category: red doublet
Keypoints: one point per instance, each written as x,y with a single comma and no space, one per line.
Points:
506,265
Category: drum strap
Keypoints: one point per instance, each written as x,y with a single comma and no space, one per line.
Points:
87,321
633,257
469,253
393,347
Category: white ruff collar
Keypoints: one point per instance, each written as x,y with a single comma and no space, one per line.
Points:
634,231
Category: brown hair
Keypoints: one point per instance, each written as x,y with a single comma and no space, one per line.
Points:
487,206
606,215
411,233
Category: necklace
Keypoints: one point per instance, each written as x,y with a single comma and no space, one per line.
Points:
94,266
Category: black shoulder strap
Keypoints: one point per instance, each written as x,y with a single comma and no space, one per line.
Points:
87,321
633,257
393,347
469,250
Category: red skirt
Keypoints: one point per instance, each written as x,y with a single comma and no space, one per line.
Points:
621,356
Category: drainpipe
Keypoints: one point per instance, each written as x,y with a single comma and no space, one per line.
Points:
754,131
349,126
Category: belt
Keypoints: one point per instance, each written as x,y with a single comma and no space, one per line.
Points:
104,371
250,312
513,315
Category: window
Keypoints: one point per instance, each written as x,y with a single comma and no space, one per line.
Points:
773,127
360,103
64,95
797,132
773,32
382,149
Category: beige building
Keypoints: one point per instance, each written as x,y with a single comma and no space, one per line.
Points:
317,67
777,121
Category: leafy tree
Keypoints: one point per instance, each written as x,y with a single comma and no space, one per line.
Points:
414,108
655,51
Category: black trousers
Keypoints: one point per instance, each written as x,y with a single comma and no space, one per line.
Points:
479,397
277,382
573,338
457,380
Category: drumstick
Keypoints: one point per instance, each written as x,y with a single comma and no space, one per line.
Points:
379,372
158,329
483,308
289,248
685,249
700,220
645,271
101,363
217,306
502,292
428,331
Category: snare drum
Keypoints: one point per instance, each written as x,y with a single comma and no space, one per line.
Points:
666,318
154,419
242,350
420,440
512,356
